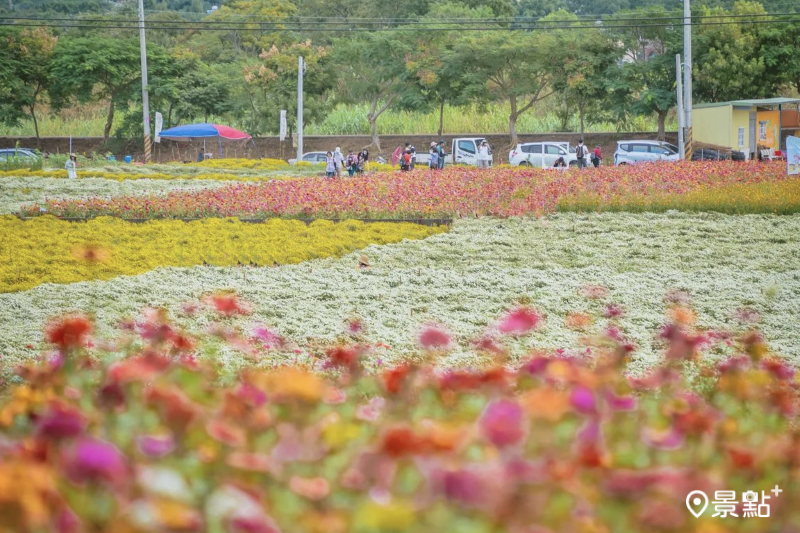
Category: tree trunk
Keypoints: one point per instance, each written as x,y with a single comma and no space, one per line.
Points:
373,127
662,120
11,5
441,117
512,121
109,122
580,115
35,125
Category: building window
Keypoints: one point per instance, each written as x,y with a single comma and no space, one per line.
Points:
762,130
741,137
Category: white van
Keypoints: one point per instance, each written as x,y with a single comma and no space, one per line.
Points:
635,152
541,154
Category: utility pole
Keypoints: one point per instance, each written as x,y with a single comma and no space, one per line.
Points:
687,74
678,74
301,66
145,94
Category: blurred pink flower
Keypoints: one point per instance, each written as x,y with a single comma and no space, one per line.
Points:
97,461
520,321
434,338
315,488
155,446
503,423
60,422
582,399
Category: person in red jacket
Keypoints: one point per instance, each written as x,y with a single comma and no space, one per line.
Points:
597,157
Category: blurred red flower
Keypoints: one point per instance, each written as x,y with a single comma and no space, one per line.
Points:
69,332
503,423
434,338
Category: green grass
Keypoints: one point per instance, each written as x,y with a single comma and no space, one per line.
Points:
89,121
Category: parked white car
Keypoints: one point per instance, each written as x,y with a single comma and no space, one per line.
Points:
311,157
540,154
463,151
635,152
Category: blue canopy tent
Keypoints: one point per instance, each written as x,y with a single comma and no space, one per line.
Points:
204,131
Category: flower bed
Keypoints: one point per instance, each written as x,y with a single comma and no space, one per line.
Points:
124,176
734,269
19,192
138,433
453,192
48,250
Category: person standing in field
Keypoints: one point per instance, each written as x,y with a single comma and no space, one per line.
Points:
72,166
483,155
433,157
330,165
352,163
581,152
597,156
440,151
363,159
338,159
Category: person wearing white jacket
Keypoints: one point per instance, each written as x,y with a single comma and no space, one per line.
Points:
338,159
484,158
72,166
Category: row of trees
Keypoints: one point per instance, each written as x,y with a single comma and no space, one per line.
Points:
610,71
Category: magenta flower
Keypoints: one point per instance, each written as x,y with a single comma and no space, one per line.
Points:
434,338
155,446
60,422
621,403
520,321
503,423
92,460
582,400
463,486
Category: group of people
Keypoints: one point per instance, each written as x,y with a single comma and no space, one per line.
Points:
354,163
583,155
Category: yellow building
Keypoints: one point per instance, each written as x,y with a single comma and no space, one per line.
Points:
746,125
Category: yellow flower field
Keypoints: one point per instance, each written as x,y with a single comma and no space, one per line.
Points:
49,250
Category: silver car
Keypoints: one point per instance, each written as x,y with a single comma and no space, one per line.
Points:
635,152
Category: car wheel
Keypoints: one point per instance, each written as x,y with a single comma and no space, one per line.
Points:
523,164
573,164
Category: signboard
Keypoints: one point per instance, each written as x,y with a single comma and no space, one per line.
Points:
793,155
159,126
283,124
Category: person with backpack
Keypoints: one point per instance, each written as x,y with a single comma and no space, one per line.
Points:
597,156
351,163
405,160
581,152
413,152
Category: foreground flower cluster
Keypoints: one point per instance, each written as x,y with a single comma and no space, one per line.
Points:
139,433
453,192
48,250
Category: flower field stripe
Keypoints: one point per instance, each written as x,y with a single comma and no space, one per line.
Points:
48,250
17,192
723,264
454,192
